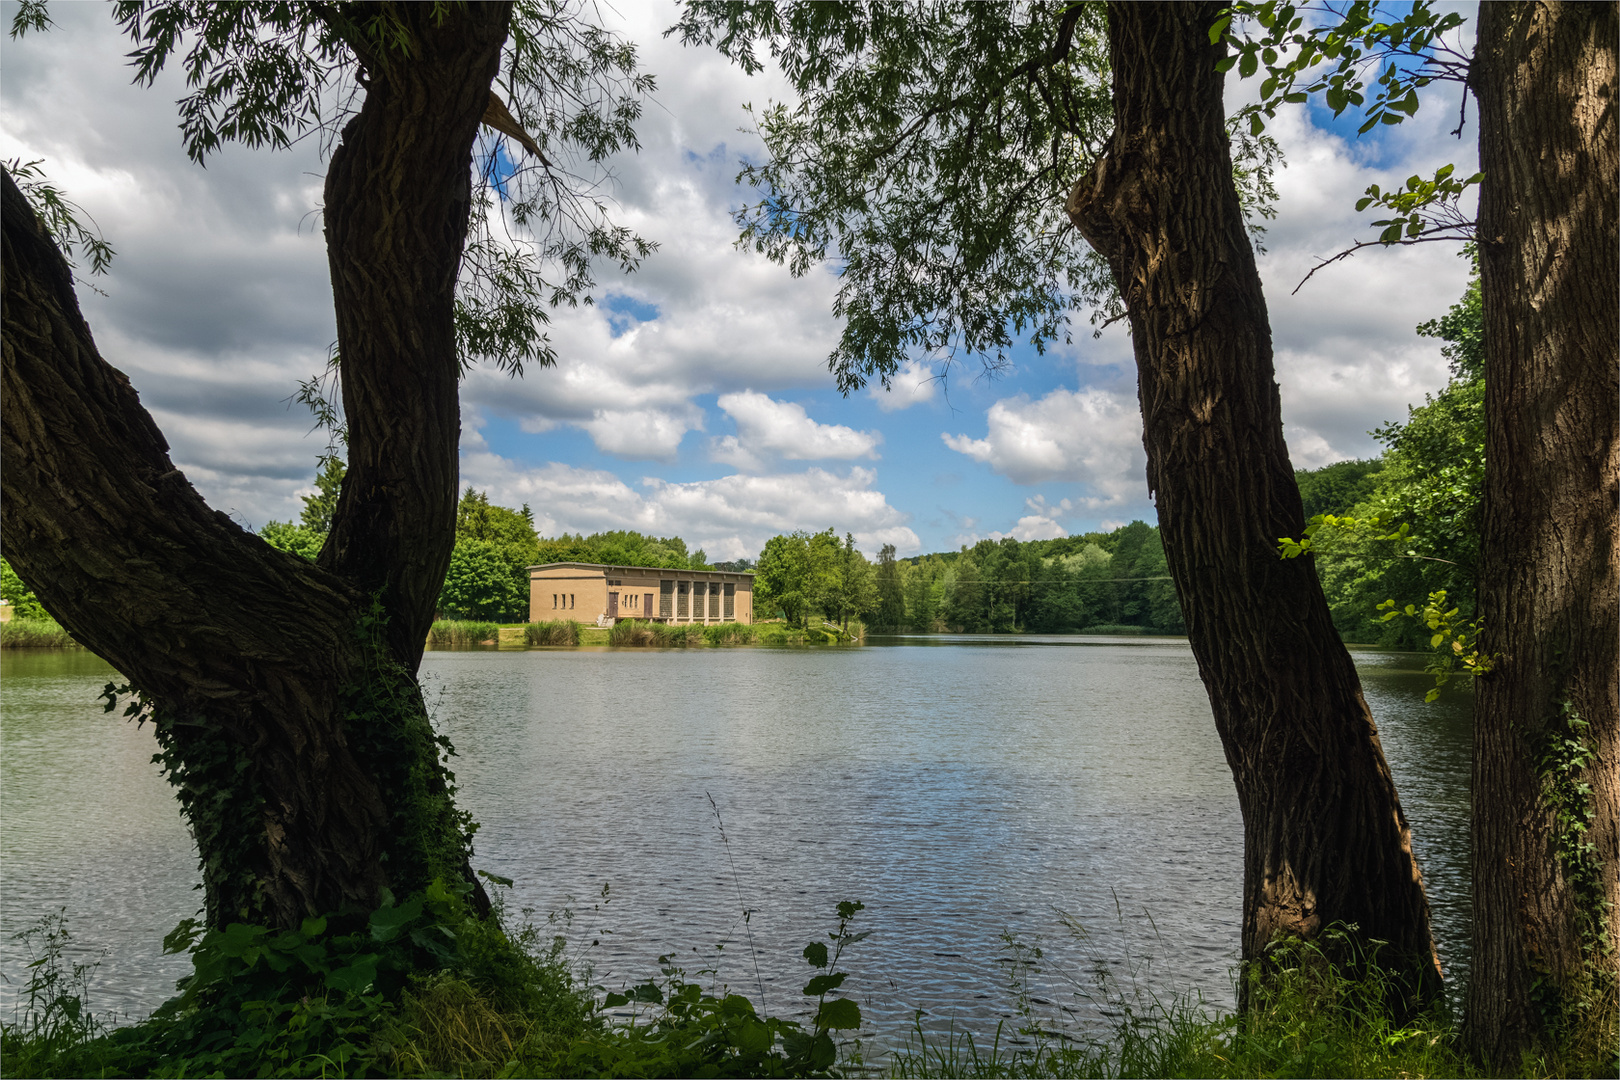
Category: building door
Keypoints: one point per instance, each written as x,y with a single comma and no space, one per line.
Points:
648,609
613,605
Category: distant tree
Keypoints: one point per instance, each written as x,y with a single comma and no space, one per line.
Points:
922,601
24,604
891,609
484,531
781,577
319,507
307,535
1337,488
293,538
480,584
851,584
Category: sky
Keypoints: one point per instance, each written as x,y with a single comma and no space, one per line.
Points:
693,398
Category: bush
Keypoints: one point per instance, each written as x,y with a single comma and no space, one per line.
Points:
448,633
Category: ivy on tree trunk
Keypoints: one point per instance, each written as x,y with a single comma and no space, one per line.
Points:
1547,719
284,692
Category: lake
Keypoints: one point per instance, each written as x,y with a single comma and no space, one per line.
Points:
983,796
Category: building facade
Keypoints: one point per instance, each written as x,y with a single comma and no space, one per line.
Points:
594,593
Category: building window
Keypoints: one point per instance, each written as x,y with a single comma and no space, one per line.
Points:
714,601
553,601
731,601
682,599
666,599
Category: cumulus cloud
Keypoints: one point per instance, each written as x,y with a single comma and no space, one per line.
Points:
769,429
729,517
1091,436
913,384
219,303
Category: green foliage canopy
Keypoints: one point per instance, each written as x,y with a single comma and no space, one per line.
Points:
24,604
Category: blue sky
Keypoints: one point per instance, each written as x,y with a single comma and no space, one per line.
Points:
693,398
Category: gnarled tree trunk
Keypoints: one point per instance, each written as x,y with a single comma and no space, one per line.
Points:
284,693
1546,854
1325,840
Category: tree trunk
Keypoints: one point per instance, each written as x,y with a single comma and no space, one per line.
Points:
1545,891
283,692
1325,840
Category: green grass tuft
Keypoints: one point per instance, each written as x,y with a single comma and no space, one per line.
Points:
629,632
450,633
35,634
561,632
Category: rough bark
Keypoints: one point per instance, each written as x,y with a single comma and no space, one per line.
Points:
283,691
1325,840
1545,77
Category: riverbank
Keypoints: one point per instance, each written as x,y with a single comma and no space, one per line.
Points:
631,633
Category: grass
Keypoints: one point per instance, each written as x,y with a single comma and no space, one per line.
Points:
513,1005
630,632
35,634
561,632
453,632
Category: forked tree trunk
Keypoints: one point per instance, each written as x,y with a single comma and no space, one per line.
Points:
284,692
1325,840
1546,896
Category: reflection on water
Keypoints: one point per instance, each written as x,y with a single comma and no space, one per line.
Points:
1069,792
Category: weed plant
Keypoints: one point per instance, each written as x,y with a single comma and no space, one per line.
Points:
630,632
450,633
1307,1018
419,988
561,632
35,634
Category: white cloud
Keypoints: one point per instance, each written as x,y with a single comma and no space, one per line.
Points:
769,429
1091,436
913,384
729,517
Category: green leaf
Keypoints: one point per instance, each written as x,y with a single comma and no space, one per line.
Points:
387,923
816,954
613,1001
1256,123
1219,28
1248,64
182,937
839,1013
825,984
356,977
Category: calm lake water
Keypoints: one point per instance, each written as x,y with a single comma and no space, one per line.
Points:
983,796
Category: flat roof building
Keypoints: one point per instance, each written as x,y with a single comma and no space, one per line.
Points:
596,593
